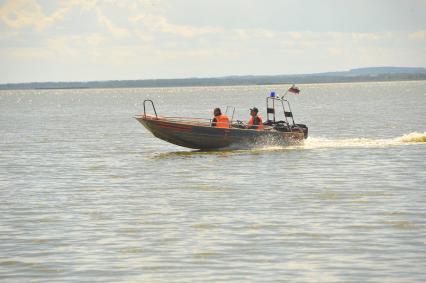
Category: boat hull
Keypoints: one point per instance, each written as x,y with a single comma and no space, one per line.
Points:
207,138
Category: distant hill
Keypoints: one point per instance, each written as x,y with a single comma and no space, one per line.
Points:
374,71
387,70
354,75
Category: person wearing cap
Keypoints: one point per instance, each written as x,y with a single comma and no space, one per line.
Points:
255,121
219,120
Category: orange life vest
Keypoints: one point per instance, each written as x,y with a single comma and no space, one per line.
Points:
258,127
222,121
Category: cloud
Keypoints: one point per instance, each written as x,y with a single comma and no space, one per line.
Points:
75,46
152,23
155,38
86,5
418,35
335,51
251,33
359,36
8,34
112,28
158,23
18,14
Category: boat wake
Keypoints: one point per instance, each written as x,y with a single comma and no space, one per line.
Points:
319,143
364,142
310,143
411,138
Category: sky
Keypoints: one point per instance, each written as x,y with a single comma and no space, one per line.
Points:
86,40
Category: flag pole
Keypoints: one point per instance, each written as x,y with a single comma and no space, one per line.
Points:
286,92
293,89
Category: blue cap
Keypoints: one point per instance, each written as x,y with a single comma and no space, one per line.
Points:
272,93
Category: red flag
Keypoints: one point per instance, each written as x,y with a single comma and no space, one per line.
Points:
294,89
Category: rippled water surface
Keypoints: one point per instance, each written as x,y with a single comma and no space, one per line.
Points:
87,194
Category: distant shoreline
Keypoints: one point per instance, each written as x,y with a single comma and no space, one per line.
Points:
44,88
233,85
377,74
24,86
346,82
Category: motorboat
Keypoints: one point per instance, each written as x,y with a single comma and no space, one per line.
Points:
198,133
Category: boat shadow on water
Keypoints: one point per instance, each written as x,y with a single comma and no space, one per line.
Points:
226,152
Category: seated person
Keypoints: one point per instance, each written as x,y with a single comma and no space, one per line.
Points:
255,121
219,120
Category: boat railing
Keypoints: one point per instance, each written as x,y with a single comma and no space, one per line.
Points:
206,122
228,108
153,107
199,121
189,120
271,112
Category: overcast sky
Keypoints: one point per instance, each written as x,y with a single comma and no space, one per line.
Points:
83,40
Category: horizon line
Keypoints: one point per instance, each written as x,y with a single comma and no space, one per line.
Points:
210,77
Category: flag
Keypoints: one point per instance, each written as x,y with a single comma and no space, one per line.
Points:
294,89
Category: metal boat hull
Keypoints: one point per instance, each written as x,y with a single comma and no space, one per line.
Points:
206,138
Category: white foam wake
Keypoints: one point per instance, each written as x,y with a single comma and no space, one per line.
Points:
313,142
413,137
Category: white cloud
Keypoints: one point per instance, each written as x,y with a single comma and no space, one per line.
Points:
18,14
359,36
26,53
335,51
296,35
8,34
60,47
113,29
149,38
158,23
418,35
251,33
86,5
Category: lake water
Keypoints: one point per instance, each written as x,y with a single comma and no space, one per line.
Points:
87,194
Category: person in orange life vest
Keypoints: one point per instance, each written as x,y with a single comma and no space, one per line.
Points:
219,120
255,121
